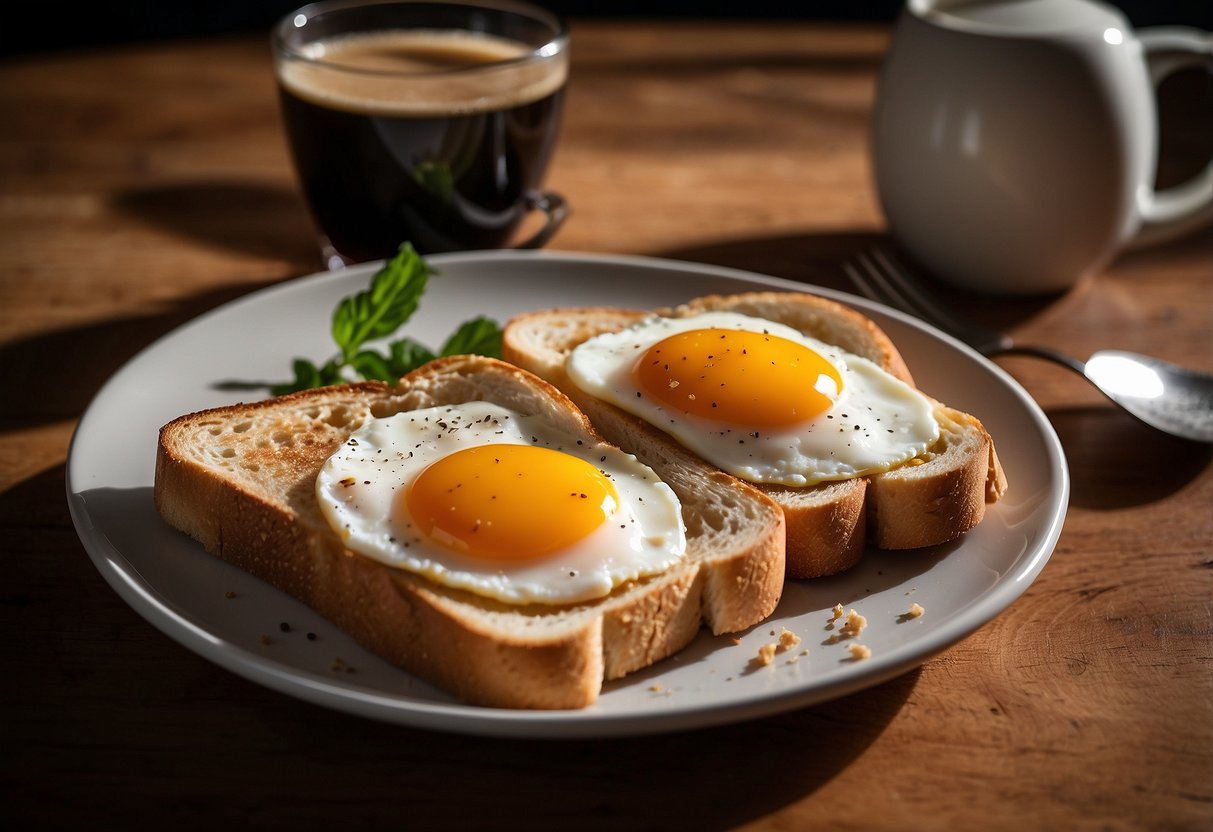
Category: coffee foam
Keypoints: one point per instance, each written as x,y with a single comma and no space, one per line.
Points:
421,73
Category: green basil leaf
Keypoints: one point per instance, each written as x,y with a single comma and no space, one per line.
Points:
407,355
383,308
305,377
345,323
330,373
371,365
387,304
308,375
479,336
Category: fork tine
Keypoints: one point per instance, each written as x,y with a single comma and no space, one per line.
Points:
897,272
860,281
882,277
873,282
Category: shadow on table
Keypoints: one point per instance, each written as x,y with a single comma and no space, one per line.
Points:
60,371
715,778
265,221
1115,462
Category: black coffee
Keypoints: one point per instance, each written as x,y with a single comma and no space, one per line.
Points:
442,161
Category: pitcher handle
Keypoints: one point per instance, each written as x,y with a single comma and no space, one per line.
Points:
1189,205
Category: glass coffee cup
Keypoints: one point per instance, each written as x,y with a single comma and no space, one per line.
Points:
431,123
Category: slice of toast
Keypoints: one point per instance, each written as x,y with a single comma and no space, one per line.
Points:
241,480
938,497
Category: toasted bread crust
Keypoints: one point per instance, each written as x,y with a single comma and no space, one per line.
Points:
240,480
828,525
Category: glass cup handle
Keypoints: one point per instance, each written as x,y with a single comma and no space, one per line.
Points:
554,207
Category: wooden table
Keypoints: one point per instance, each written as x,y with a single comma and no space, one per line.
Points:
142,186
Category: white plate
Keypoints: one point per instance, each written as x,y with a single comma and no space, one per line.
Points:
224,614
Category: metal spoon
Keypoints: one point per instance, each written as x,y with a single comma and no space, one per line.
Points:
1165,396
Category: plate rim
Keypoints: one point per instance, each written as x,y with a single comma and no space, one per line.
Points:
457,717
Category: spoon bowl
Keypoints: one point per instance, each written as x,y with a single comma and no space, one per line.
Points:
1166,396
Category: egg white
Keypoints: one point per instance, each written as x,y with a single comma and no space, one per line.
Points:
358,486
877,422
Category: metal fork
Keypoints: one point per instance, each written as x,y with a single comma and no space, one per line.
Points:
1165,396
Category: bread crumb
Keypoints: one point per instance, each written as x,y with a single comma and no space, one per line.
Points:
736,640
837,612
859,652
854,624
656,687
766,654
915,611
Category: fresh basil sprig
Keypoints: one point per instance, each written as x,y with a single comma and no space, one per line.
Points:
377,312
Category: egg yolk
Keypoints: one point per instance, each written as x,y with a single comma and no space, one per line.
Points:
510,503
748,378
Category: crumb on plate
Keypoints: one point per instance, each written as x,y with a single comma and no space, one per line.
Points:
766,654
854,624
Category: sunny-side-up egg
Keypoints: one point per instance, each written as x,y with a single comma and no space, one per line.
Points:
481,498
758,399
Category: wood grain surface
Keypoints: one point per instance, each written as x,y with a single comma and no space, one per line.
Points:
140,187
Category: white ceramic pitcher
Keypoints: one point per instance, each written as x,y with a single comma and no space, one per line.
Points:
1015,141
